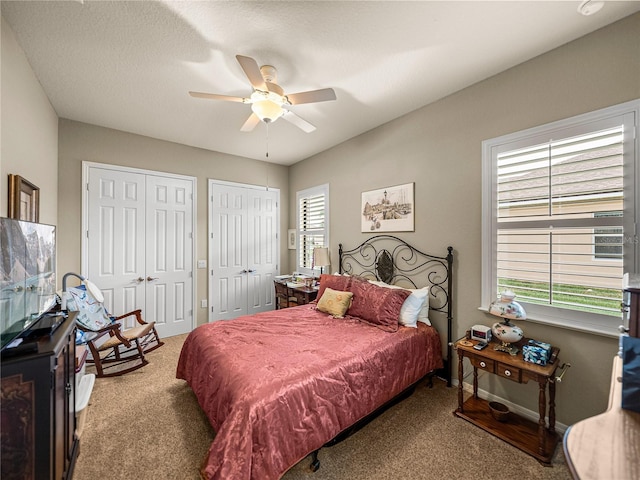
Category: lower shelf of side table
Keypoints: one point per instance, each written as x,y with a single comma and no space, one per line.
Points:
517,431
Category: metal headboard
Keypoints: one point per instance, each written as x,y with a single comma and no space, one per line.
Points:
392,260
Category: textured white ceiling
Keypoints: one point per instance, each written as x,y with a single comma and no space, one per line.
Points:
128,65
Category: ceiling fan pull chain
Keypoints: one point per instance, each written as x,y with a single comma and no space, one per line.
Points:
267,124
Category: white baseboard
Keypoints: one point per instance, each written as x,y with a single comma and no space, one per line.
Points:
517,409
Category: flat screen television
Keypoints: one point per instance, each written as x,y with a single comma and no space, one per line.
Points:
27,275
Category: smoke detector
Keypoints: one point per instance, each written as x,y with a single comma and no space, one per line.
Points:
589,7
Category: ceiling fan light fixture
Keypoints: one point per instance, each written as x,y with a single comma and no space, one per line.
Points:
268,98
267,111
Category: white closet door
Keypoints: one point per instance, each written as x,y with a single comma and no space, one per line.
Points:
169,254
116,238
139,244
228,280
262,248
243,250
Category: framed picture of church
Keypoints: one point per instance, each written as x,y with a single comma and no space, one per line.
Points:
389,209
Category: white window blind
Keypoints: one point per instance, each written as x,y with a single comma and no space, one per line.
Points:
563,221
313,208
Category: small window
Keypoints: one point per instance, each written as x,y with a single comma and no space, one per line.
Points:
312,225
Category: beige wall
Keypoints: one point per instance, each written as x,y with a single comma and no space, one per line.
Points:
29,133
439,148
82,142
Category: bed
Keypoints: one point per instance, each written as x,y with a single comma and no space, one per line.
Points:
280,385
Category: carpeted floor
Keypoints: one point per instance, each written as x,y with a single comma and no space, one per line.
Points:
148,425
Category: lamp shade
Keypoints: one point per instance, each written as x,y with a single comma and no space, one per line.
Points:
506,307
321,257
267,110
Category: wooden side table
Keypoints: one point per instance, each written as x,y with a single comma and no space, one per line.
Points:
536,439
304,295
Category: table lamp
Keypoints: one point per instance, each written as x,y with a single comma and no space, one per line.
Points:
321,258
505,331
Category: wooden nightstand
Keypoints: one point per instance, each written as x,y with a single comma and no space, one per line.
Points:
537,439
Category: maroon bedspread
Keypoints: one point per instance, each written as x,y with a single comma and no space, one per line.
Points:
278,385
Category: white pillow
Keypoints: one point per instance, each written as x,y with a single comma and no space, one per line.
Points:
415,308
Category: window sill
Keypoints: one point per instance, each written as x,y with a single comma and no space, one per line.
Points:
611,332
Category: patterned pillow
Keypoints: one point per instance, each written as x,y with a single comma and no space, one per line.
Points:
336,282
377,305
334,302
416,306
91,314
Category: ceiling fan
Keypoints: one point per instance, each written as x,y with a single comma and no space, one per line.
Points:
268,100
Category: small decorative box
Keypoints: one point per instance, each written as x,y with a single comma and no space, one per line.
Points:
536,352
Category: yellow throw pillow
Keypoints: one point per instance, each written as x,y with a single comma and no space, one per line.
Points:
335,302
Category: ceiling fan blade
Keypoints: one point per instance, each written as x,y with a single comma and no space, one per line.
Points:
312,96
251,123
214,96
298,122
252,71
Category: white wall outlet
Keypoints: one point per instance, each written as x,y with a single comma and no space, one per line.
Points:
203,304
202,264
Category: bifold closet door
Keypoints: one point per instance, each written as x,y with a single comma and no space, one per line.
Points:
169,254
140,245
243,250
262,249
229,277
116,238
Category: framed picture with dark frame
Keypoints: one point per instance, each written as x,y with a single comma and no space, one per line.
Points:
389,209
24,199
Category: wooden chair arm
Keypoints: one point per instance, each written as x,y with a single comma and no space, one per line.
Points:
112,329
102,331
137,313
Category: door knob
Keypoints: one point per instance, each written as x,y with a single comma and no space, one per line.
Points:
150,279
140,279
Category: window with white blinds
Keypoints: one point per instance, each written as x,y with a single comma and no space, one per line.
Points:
312,225
560,232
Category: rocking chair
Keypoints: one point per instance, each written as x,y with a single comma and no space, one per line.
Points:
114,350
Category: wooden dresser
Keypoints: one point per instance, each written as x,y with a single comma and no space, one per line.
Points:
39,440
